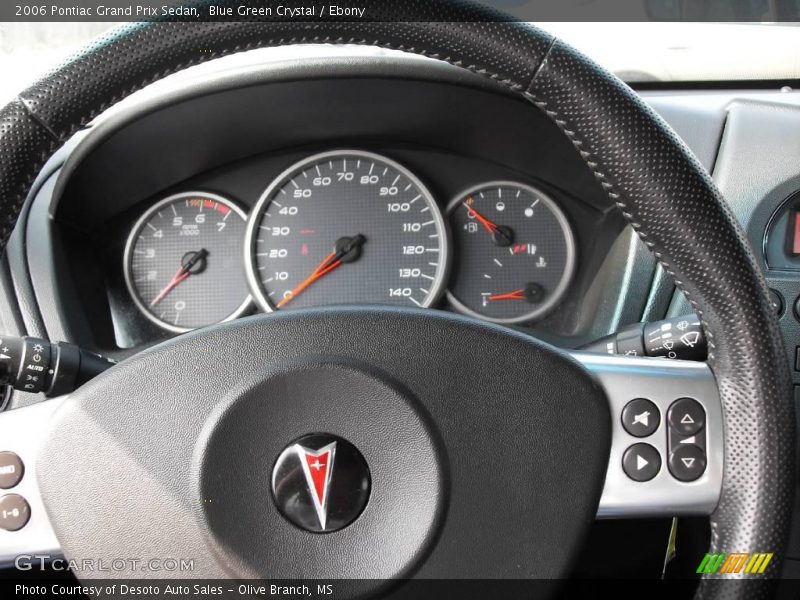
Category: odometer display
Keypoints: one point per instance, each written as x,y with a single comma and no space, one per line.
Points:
346,227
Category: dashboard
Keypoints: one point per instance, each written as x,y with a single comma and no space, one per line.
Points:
258,185
399,182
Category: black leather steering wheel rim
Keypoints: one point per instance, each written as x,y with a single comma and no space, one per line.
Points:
644,168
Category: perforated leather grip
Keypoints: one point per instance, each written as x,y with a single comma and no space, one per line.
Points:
642,165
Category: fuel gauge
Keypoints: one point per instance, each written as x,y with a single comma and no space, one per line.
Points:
514,252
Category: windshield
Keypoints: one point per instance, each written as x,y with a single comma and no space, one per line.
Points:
637,52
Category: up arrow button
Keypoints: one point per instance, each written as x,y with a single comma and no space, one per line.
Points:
686,416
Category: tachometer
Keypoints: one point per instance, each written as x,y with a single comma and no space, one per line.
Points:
183,262
515,249
346,227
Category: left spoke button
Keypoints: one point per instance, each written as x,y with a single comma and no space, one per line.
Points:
641,462
14,512
11,470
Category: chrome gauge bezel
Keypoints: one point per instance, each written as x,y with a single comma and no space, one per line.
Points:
569,268
437,287
128,255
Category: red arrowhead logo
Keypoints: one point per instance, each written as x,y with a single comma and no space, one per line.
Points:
318,468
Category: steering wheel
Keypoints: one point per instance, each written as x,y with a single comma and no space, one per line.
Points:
451,466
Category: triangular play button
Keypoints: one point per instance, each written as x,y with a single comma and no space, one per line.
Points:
641,463
688,462
687,419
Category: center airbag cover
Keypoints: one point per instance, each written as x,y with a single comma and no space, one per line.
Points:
487,449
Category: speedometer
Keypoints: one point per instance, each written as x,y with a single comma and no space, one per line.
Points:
346,227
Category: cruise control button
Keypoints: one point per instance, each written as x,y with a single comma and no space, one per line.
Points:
11,470
686,416
14,512
687,463
641,462
640,417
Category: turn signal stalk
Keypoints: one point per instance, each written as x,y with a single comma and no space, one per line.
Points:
35,365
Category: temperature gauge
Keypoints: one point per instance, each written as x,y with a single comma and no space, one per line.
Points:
515,252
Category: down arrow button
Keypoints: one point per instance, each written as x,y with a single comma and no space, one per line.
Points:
687,463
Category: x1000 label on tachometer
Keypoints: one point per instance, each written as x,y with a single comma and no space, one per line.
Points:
346,227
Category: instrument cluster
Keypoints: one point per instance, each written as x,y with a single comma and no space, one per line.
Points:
350,227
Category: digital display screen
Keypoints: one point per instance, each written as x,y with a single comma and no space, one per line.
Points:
795,231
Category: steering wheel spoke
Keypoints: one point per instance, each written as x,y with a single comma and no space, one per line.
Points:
23,432
667,437
644,478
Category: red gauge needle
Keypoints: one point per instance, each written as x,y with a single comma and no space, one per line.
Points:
533,292
490,226
328,264
347,250
501,235
515,295
181,275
